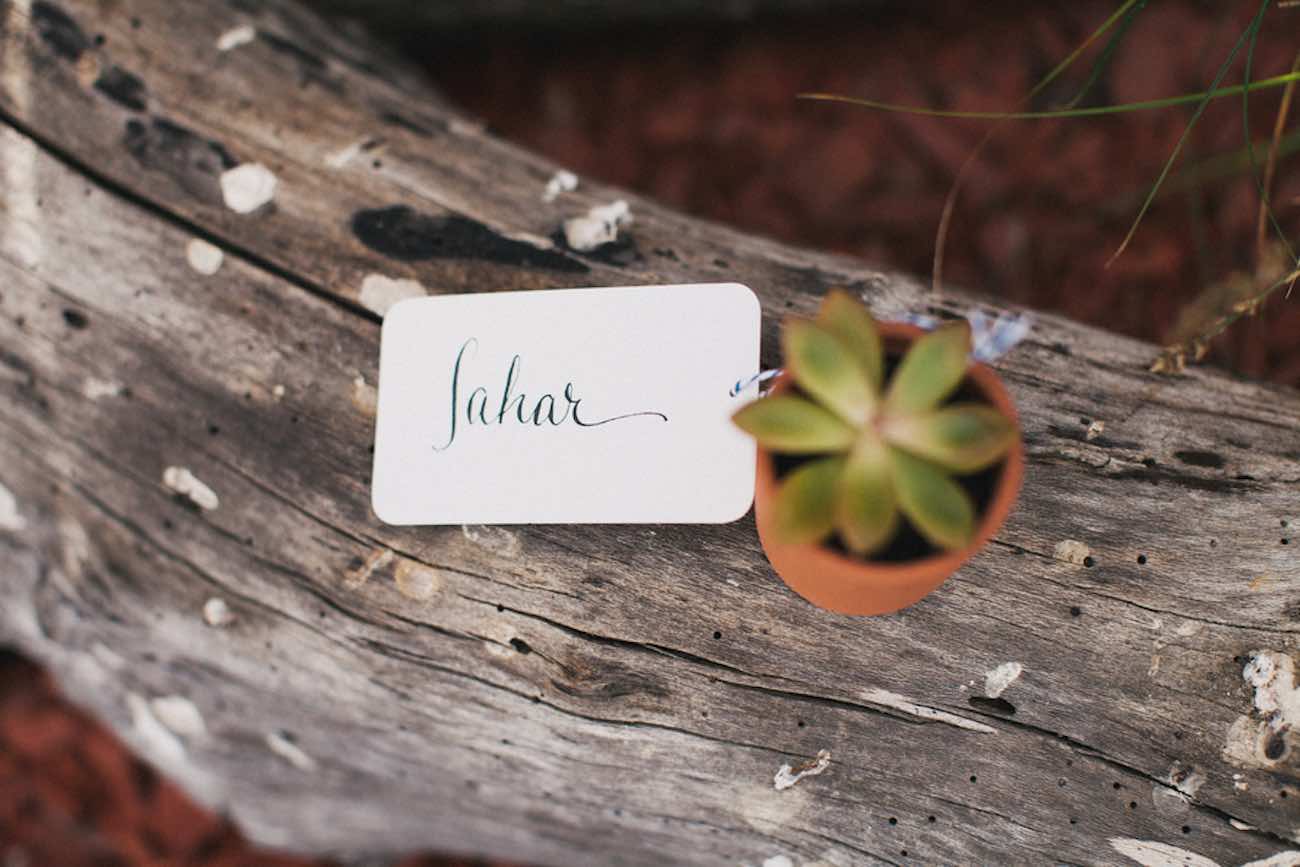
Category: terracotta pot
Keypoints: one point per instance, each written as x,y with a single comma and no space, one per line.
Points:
854,586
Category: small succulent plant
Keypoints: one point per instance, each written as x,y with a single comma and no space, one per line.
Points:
876,451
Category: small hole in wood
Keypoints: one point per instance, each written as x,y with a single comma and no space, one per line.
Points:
993,705
717,634
1286,541
902,852
973,778
520,646
1088,562
100,39
893,821
75,319
1214,543
1075,610
1142,559
1074,821
1282,794
801,723
931,819
1187,829
1132,805
213,429
500,609
1116,786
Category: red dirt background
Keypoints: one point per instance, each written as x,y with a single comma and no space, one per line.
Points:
704,118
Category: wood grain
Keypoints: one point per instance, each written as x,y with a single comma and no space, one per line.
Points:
562,695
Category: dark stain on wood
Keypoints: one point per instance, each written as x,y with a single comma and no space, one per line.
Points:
75,319
311,68
620,252
1196,458
193,162
393,118
999,706
59,30
1154,476
402,233
124,88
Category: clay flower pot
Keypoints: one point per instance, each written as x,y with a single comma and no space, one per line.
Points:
840,582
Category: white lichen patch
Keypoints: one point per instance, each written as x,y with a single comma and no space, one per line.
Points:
778,861
217,614
181,481
10,518
1150,853
280,744
98,389
598,226
417,581
204,257
378,293
1096,429
180,715
235,37
498,540
341,157
1268,736
277,393
900,703
1071,551
561,182
247,187
787,776
157,741
997,680
364,396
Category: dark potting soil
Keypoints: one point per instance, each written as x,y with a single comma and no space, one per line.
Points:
908,544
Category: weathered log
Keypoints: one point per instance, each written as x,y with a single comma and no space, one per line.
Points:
566,694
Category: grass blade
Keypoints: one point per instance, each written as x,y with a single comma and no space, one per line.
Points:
1191,124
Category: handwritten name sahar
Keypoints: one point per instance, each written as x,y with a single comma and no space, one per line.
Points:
546,409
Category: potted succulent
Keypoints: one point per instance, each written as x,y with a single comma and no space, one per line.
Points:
886,458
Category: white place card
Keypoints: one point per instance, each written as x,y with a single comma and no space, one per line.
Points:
582,406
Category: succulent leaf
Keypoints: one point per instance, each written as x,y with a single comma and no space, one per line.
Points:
931,370
793,425
850,321
827,370
867,510
803,510
962,438
936,505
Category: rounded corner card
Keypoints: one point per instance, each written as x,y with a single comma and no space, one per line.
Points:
582,406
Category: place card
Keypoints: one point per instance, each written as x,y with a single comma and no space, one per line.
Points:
577,406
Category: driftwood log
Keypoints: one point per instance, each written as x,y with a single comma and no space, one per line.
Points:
188,394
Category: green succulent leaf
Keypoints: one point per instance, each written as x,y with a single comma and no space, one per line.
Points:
937,506
803,511
825,368
794,425
867,510
931,370
850,321
962,438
